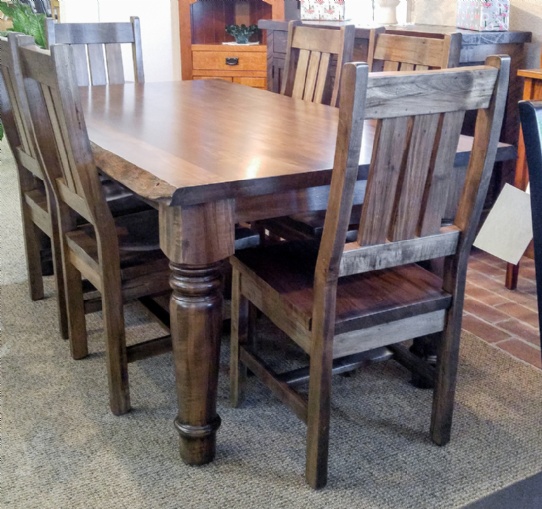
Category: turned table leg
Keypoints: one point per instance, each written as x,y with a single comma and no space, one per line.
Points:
196,326
197,239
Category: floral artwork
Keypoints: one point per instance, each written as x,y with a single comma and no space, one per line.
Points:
485,15
322,9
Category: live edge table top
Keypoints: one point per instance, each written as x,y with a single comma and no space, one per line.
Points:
189,142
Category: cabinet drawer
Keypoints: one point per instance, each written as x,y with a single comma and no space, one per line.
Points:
229,58
250,81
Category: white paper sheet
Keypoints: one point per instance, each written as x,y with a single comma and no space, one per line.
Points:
508,228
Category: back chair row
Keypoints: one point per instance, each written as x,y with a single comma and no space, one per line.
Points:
314,59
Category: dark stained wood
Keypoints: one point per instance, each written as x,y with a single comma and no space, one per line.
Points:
387,297
116,257
475,47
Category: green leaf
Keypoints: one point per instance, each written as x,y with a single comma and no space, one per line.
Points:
26,21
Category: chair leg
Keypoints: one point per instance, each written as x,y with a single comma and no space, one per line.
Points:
59,286
75,309
33,260
512,272
445,383
240,327
116,355
319,414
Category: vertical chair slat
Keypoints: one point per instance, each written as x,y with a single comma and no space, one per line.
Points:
81,64
115,69
300,74
323,75
391,137
409,199
313,69
437,193
96,62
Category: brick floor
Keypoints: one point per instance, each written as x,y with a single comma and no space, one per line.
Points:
508,319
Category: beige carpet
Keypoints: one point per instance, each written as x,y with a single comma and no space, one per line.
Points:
61,448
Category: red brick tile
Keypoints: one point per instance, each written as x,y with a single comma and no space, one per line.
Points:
519,312
486,296
484,280
521,330
525,298
484,330
487,268
523,351
483,311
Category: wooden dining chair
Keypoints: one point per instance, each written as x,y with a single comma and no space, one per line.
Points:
312,72
387,52
120,257
40,226
314,59
339,300
37,212
97,49
530,113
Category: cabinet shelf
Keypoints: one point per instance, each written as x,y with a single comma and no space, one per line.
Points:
202,32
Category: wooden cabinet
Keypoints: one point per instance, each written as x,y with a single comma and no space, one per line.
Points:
202,32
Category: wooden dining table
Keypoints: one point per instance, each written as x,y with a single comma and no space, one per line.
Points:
210,154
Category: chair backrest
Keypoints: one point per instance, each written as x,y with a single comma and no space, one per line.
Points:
418,118
314,59
530,113
415,52
14,109
97,49
63,143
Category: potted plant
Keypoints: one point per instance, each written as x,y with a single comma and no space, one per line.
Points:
242,32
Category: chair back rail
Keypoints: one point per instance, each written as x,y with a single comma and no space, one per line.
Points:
97,49
394,52
314,59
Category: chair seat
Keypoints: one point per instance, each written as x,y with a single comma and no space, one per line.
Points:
363,300
143,265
